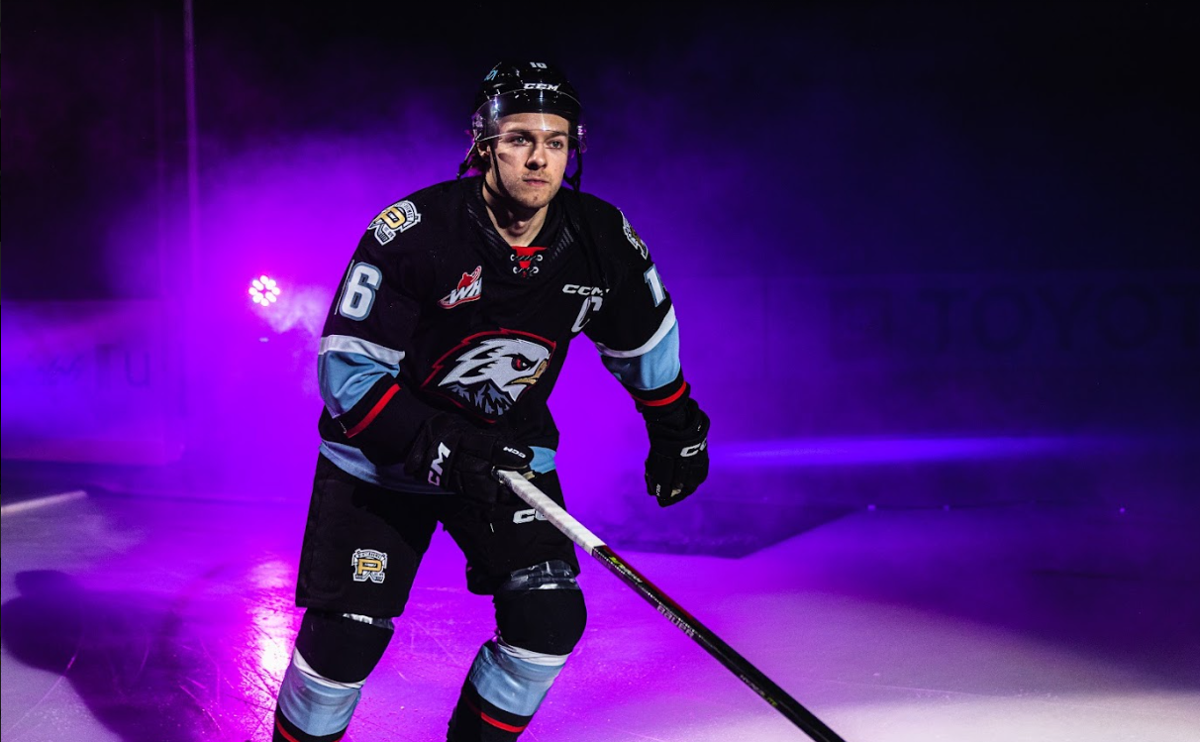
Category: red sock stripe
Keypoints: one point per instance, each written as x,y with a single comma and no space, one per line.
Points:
496,722
279,728
667,401
373,413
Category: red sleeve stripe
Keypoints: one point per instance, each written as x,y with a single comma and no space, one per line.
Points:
374,412
667,401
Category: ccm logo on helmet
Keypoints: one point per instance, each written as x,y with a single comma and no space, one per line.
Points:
574,288
541,86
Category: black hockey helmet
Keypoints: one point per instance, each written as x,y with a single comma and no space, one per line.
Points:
517,86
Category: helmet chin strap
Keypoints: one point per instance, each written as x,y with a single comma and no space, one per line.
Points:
495,170
576,178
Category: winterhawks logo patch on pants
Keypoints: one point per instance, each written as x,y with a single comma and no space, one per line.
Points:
369,565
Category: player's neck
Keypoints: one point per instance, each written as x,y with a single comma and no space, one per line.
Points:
516,225
517,231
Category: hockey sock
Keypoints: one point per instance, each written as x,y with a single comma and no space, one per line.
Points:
311,707
286,731
502,691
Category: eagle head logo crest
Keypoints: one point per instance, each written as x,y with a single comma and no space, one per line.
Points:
489,372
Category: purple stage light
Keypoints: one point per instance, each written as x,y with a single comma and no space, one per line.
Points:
264,291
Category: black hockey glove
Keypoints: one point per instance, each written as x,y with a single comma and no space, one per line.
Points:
678,460
455,455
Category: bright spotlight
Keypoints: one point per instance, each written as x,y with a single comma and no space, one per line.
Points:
264,291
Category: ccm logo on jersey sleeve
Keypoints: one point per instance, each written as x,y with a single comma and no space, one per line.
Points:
394,219
574,288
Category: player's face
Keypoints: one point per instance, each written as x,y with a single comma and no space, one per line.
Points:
531,152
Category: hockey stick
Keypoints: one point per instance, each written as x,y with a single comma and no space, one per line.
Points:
750,675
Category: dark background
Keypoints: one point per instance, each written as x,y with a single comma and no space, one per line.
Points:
910,222
888,136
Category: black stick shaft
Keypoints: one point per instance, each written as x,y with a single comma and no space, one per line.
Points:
726,655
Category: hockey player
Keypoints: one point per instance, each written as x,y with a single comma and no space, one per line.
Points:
437,359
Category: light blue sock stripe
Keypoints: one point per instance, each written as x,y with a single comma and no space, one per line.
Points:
514,685
315,707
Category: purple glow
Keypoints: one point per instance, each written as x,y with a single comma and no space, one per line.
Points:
937,287
853,452
899,626
264,291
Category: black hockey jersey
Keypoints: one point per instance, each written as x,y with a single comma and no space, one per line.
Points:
437,312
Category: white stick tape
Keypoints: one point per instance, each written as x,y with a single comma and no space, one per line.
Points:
561,519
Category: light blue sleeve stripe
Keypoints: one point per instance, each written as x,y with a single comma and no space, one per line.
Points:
350,344
345,377
655,368
543,459
353,461
667,324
